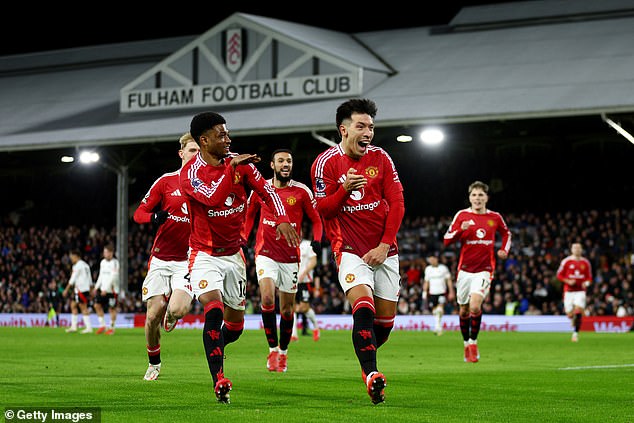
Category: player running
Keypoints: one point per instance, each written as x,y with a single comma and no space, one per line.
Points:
475,229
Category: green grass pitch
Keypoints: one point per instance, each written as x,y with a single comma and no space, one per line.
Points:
521,377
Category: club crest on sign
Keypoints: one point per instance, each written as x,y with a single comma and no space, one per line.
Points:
234,50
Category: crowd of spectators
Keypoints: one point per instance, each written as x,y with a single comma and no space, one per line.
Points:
34,263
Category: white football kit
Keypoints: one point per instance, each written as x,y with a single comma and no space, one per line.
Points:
108,279
81,277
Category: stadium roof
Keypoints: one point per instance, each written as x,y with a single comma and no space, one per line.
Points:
506,61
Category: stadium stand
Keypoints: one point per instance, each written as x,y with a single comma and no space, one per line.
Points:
34,264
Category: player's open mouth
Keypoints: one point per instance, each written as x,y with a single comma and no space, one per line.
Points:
364,144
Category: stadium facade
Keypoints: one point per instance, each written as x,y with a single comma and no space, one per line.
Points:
525,89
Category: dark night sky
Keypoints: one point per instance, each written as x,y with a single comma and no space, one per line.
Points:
29,28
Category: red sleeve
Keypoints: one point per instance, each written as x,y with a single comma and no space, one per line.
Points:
265,191
393,193
310,208
560,272
506,235
330,205
253,207
588,271
213,194
454,232
394,216
153,198
331,196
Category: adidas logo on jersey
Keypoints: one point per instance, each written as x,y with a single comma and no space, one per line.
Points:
176,193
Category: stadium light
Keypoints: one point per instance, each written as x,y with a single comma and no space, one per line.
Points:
432,136
88,157
404,138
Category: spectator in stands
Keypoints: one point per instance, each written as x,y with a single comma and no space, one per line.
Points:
32,256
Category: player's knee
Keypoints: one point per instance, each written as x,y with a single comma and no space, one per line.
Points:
179,310
287,313
153,319
268,300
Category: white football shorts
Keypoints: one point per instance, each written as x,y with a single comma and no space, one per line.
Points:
469,283
284,275
574,299
165,276
227,274
384,280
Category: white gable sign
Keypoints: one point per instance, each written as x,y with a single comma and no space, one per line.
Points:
236,65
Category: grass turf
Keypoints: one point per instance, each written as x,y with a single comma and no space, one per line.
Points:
521,377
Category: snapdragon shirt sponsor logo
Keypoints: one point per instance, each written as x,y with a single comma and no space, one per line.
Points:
179,219
268,222
273,224
480,242
227,212
360,207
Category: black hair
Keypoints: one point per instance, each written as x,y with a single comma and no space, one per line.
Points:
355,105
203,122
280,150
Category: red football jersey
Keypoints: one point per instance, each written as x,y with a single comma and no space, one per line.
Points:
477,252
580,270
172,238
299,201
357,222
217,201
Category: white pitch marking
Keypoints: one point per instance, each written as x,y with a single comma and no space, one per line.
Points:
611,366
